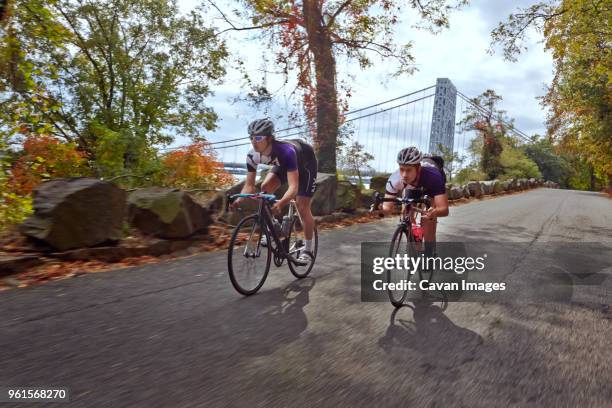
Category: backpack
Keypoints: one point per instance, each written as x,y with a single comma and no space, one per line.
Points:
438,161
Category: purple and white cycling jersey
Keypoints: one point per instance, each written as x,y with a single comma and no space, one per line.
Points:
283,155
430,179
286,156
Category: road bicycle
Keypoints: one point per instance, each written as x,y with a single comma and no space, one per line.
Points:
259,237
407,239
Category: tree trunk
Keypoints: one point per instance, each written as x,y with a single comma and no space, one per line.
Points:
3,9
326,95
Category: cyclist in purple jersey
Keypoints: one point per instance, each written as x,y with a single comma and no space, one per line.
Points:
294,162
417,172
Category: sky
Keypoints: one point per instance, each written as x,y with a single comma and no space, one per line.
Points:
458,53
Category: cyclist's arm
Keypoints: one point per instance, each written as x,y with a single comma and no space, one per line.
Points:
293,181
388,207
392,189
439,206
248,188
249,183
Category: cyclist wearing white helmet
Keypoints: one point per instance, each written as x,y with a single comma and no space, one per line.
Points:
419,172
294,162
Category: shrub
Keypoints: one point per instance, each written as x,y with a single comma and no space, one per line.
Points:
194,167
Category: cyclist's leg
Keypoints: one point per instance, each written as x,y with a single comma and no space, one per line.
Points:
303,207
429,235
271,183
306,189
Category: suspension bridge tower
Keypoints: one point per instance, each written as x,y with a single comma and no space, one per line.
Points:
443,116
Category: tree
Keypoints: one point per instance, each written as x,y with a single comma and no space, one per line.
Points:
3,9
123,73
45,157
490,122
578,33
311,34
552,165
355,159
452,160
514,161
194,166
352,157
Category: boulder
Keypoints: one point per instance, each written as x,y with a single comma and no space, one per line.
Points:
215,204
532,182
166,213
497,187
505,185
513,184
486,187
367,198
466,191
75,213
551,184
475,188
348,196
324,199
379,182
492,187
455,193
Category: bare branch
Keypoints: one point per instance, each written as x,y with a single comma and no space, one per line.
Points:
86,52
275,23
337,12
285,19
511,33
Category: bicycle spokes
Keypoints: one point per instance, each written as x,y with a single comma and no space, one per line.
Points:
248,260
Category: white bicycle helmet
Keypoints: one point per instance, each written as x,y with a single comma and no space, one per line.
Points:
261,127
409,155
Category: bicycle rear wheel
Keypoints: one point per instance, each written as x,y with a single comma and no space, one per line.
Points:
248,262
401,243
295,248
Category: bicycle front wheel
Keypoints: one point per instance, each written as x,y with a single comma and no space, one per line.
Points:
248,262
295,248
401,243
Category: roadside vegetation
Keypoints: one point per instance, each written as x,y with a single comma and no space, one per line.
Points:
100,89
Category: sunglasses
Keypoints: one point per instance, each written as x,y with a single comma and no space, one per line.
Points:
257,138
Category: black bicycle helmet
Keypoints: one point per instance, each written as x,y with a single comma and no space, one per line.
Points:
261,127
409,155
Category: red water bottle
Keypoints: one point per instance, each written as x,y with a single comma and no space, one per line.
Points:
417,232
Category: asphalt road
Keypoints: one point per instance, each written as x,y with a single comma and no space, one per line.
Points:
176,334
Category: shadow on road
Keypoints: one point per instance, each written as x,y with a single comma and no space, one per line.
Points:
431,334
262,323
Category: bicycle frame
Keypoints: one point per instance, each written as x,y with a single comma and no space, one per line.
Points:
266,216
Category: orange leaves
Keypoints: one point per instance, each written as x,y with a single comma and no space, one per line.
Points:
480,125
45,157
195,166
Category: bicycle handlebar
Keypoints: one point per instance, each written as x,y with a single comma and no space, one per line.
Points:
256,196
263,196
378,198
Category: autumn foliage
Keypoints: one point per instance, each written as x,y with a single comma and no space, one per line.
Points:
195,166
45,157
